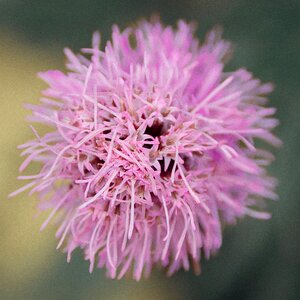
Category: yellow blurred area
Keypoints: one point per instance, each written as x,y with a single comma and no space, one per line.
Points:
23,249
26,255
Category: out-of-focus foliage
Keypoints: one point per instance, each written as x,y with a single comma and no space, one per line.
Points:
259,260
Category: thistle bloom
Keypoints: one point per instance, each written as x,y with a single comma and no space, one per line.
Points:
152,149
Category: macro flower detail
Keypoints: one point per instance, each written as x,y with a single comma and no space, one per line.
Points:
152,150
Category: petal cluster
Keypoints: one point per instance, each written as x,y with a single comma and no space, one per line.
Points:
152,149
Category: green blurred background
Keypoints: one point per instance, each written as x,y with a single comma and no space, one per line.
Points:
258,260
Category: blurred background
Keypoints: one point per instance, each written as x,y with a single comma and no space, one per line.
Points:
258,260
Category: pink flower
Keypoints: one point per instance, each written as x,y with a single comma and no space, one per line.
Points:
152,149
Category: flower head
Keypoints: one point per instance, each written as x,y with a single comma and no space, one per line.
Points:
152,149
